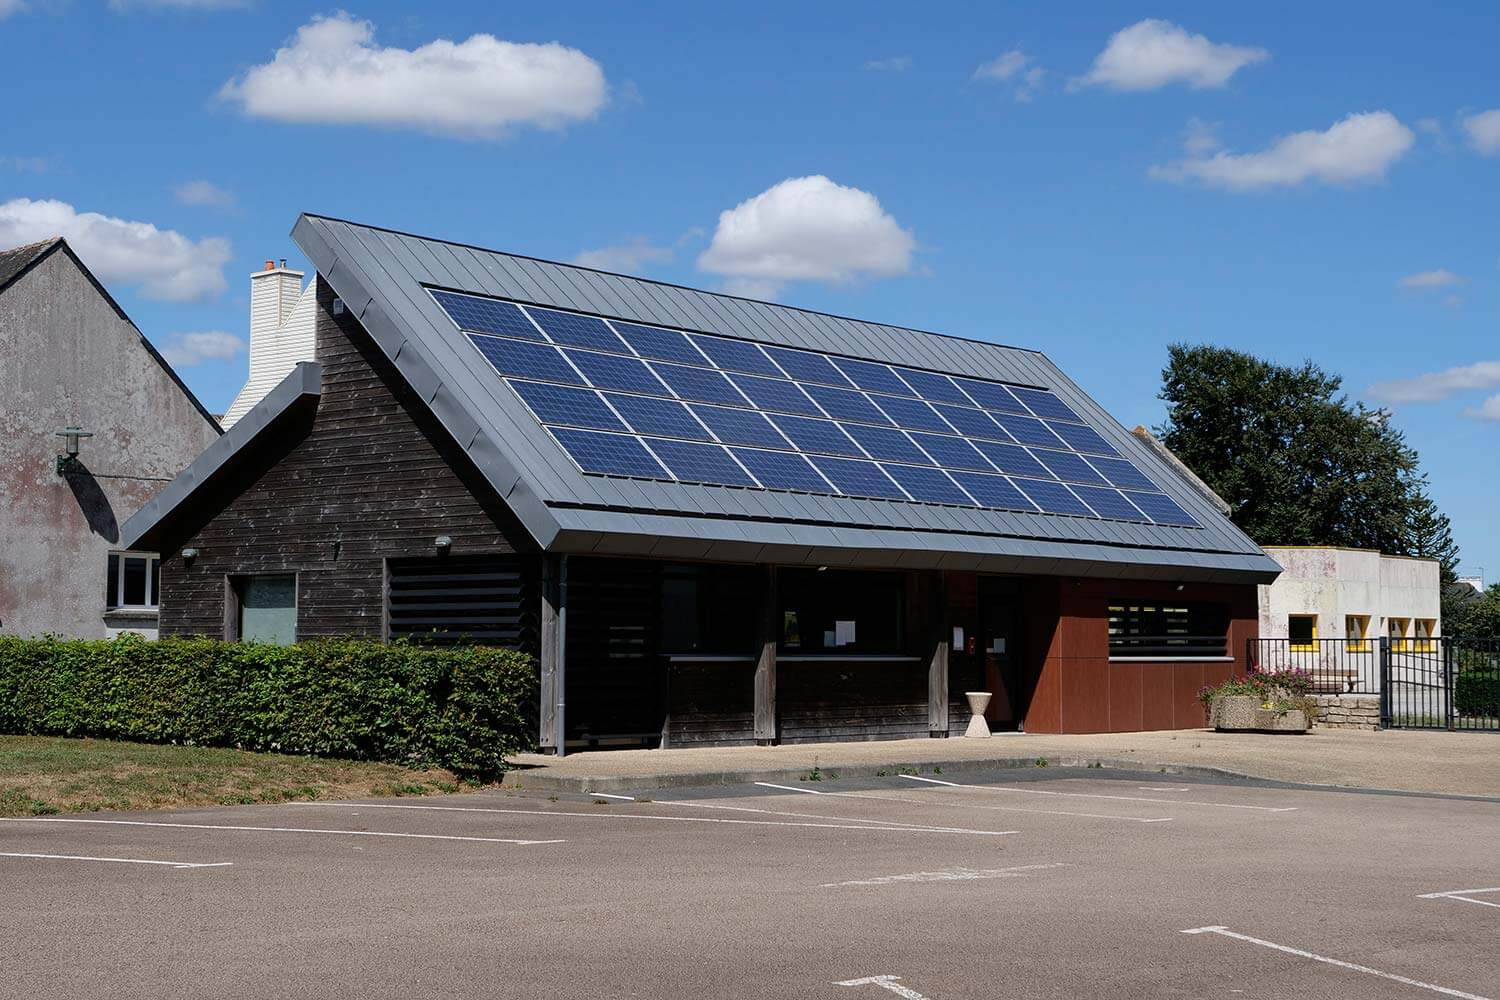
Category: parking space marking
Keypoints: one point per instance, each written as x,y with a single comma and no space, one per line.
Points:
886,983
958,874
929,827
1463,896
1162,788
277,829
1097,795
886,828
1351,966
122,861
1019,809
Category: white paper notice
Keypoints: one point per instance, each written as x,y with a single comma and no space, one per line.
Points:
997,645
958,637
843,633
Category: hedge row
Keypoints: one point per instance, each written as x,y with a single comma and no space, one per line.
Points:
465,709
1477,692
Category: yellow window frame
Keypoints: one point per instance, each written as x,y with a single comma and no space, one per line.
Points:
1424,640
1397,629
1310,646
1357,633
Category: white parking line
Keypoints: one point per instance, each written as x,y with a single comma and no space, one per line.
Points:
1018,809
1162,788
885,983
959,874
1095,795
276,829
123,861
928,827
1226,932
1462,895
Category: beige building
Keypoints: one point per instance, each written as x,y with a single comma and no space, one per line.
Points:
1359,595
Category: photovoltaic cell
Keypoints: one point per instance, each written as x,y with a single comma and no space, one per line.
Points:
991,396
928,484
1108,503
1045,404
1028,430
561,404
699,384
846,404
611,371
1070,467
780,470
819,436
487,316
775,394
699,463
1122,473
663,345
577,331
971,422
858,479
740,426
886,444
1054,498
1083,438
1162,509
660,417
805,366
736,356
994,491
912,414
1012,459
873,376
610,454
516,357
952,452
933,387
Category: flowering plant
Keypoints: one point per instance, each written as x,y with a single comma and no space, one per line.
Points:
1276,690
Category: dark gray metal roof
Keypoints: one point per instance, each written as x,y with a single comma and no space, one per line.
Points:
17,259
382,277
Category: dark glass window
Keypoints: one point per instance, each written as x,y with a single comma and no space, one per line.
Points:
1166,630
112,584
131,580
842,611
710,609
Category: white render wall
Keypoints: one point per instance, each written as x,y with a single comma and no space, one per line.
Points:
281,335
1332,583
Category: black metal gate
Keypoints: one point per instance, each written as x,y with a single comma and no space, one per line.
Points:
1451,684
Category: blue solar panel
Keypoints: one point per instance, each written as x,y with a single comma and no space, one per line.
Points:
1122,473
971,422
700,463
886,444
1012,459
1044,403
664,345
1028,430
804,366
487,316
611,371
933,387
873,376
610,454
577,331
516,357
993,491
661,417
928,485
1162,509
859,479
991,395
846,404
561,404
952,452
740,426
780,470
775,394
699,384
1070,467
737,356
1109,503
912,414
820,436
1083,438
1054,498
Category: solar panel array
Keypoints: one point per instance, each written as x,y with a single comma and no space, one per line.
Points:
624,399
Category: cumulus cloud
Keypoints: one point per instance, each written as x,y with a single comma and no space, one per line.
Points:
1488,410
184,350
9,7
1153,53
1434,386
1015,66
1426,280
164,263
1483,130
1359,148
630,258
806,229
1200,137
203,193
895,64
480,88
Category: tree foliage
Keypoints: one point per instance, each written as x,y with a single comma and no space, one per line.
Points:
1296,461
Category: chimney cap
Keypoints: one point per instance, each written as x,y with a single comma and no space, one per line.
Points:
270,265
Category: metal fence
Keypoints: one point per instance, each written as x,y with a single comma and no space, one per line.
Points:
1337,666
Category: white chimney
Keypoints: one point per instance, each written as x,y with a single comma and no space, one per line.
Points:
281,333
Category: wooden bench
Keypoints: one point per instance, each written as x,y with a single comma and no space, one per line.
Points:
1327,680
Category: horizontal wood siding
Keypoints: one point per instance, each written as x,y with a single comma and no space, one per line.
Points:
463,599
818,702
370,476
711,704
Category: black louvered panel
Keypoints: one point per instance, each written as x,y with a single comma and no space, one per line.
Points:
486,600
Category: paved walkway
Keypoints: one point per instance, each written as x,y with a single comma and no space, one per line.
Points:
1458,763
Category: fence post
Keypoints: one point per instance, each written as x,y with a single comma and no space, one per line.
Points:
1451,712
1385,682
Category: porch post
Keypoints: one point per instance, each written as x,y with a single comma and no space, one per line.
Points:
765,665
937,659
554,654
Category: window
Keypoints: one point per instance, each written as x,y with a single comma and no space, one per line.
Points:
1357,633
459,599
710,609
841,611
1140,630
131,580
1302,630
1396,629
265,608
1423,628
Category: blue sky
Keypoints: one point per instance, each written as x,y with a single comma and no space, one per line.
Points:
1096,184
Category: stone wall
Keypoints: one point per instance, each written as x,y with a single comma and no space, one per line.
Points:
1348,711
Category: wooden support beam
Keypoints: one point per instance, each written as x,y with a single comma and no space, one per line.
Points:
554,654
937,658
765,665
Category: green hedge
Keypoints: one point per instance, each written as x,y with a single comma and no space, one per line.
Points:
465,709
1477,692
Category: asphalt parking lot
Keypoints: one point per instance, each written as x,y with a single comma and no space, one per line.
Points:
1042,884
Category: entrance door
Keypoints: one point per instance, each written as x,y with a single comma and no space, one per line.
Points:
999,637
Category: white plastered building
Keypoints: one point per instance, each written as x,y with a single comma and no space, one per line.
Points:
281,333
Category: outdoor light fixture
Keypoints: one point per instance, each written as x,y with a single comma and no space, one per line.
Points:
442,543
68,461
338,307
188,555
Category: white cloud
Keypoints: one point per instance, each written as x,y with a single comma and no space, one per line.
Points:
9,7
184,350
480,88
628,258
1440,278
1484,131
807,229
1488,410
203,193
1153,53
895,64
1013,65
1200,137
1434,386
752,288
163,262
26,164
1359,148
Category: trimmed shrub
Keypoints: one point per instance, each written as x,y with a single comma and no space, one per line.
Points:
1477,692
465,709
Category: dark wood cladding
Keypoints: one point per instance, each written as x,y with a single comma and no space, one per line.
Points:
488,600
369,476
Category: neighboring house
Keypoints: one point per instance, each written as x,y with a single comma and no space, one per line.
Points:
714,521
281,333
71,358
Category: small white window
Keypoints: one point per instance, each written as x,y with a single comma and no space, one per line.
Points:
132,580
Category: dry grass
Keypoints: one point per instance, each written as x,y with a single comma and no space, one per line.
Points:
42,774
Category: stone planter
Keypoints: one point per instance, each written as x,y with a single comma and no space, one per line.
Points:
1242,713
978,702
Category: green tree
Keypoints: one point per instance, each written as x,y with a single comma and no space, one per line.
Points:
1429,533
1297,462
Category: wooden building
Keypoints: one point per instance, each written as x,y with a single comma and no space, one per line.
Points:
714,521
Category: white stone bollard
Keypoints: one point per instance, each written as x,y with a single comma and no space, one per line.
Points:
978,702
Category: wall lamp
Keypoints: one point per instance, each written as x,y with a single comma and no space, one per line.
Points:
68,461
188,555
442,543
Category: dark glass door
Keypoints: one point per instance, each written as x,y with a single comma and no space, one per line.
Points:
999,642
